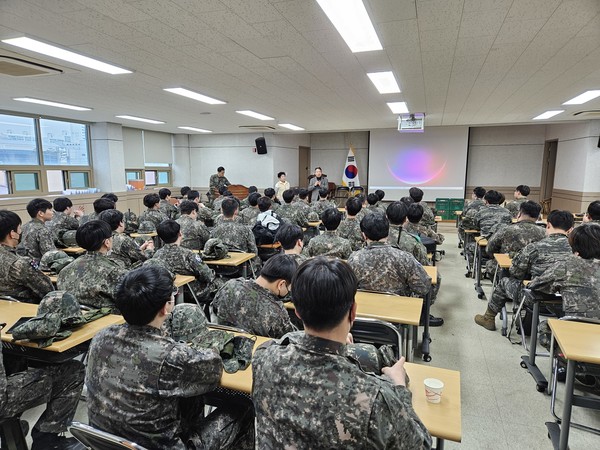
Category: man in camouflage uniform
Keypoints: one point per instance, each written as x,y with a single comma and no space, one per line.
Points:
329,243
244,203
36,238
593,213
235,235
373,204
248,215
165,205
291,238
350,227
146,387
415,226
153,214
205,214
194,232
309,394
107,201
219,201
521,193
218,181
125,250
92,277
323,203
291,213
476,203
381,195
428,219
20,277
62,220
531,262
275,201
256,305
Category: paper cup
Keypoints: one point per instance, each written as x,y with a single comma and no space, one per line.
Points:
433,389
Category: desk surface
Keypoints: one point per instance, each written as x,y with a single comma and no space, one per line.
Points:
503,260
432,272
73,250
314,224
136,235
458,213
472,231
275,245
13,311
235,259
481,241
182,280
578,341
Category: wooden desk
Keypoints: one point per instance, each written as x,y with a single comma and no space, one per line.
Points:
234,259
182,280
137,235
314,224
438,218
579,342
270,246
458,215
73,250
241,381
503,260
432,272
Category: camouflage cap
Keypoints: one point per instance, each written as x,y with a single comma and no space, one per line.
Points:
313,217
65,305
68,239
40,327
367,356
241,356
186,322
55,261
215,249
146,227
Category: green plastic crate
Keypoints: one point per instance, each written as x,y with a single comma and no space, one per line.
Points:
442,204
456,204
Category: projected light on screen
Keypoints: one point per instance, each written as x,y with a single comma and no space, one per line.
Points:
416,166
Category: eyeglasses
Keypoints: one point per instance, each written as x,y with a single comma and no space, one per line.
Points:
175,291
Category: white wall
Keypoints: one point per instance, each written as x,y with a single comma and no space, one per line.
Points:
329,151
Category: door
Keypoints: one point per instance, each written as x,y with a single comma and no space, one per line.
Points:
303,166
548,168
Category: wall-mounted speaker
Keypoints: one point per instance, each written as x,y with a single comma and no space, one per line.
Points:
261,146
598,142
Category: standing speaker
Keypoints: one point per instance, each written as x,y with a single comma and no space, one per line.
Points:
261,146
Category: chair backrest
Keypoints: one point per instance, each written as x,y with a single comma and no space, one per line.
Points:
100,440
376,332
227,328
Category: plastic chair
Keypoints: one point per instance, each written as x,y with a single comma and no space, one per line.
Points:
100,440
377,332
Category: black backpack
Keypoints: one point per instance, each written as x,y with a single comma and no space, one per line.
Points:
262,235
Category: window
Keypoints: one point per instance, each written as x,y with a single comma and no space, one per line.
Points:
64,143
18,143
131,174
163,177
79,180
157,177
25,181
4,187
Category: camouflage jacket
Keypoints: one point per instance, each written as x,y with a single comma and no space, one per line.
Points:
204,213
61,222
577,280
194,233
515,205
88,217
136,378
418,229
369,209
126,252
169,210
244,304
299,257
216,182
383,268
248,215
328,244
512,238
216,206
428,219
183,261
535,258
20,277
350,229
321,205
92,279
236,236
293,214
309,394
36,239
475,205
156,216
485,219
220,218
410,243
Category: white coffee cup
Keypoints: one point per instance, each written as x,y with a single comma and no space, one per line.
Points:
433,389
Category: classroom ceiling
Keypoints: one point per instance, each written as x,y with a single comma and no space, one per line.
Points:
461,62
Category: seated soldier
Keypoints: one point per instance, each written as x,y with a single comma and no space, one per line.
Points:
194,232
235,235
414,224
474,205
323,203
107,201
92,278
244,202
205,214
275,200
291,238
329,243
20,277
309,394
381,195
223,194
165,205
593,213
184,192
363,202
372,204
303,198
428,219
153,214
350,227
266,215
521,193
124,250
256,305
36,238
146,387
290,213
63,220
248,215
531,262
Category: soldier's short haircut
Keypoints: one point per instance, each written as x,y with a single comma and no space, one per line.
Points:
323,192
303,193
279,267
184,190
523,189
493,197
353,206
324,291
380,194
585,240
415,213
220,169
113,217
375,226
102,204
270,192
362,198
288,196
331,218
479,192
372,199
253,198
531,208
407,200
593,210
396,213
111,196
9,221
229,207
193,195
187,206
279,174
168,231
164,193
142,293
222,190
38,205
150,200
264,203
562,220
92,234
416,194
252,189
62,203
288,234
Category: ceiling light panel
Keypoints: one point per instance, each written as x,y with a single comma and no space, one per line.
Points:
140,119
199,130
385,82
49,103
290,126
398,107
256,115
195,96
583,98
548,114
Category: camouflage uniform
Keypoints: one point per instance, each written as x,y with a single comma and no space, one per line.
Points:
36,239
92,279
321,205
350,229
205,213
428,219
217,205
511,239
470,208
309,394
20,277
486,220
328,244
372,209
61,222
532,261
294,215
146,387
299,257
383,268
169,210
515,205
152,215
194,233
88,217
216,182
419,229
220,218
248,215
245,304
126,252
235,235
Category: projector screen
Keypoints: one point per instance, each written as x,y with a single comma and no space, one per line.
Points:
435,161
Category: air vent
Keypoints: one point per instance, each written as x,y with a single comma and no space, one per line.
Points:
16,67
588,114
258,127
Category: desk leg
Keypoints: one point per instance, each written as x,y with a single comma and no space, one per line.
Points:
407,332
478,288
425,344
528,362
568,405
245,270
179,299
440,444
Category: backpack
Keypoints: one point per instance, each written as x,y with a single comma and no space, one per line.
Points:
262,235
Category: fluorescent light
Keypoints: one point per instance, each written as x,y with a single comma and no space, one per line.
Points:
140,119
385,82
582,98
195,96
548,114
398,107
256,115
199,130
351,20
49,103
66,55
291,126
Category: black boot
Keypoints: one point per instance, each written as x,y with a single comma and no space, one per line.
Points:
53,441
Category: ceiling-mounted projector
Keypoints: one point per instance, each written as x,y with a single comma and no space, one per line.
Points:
411,123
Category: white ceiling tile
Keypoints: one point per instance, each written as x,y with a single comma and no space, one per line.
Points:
481,23
117,10
439,14
482,5
304,15
470,46
385,11
438,40
533,9
399,33
255,11
519,30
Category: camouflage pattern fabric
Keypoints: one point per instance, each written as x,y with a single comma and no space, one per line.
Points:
485,218
220,218
321,205
236,236
54,261
383,268
131,222
194,233
126,252
215,249
61,222
308,394
169,210
216,206
328,244
36,239
428,219
300,258
185,322
155,216
537,257
409,242
474,205
350,229
369,209
244,304
21,278
511,239
515,205
205,213
248,215
92,279
216,183
421,230
371,358
88,217
292,214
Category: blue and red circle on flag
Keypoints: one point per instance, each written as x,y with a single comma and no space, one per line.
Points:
351,171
